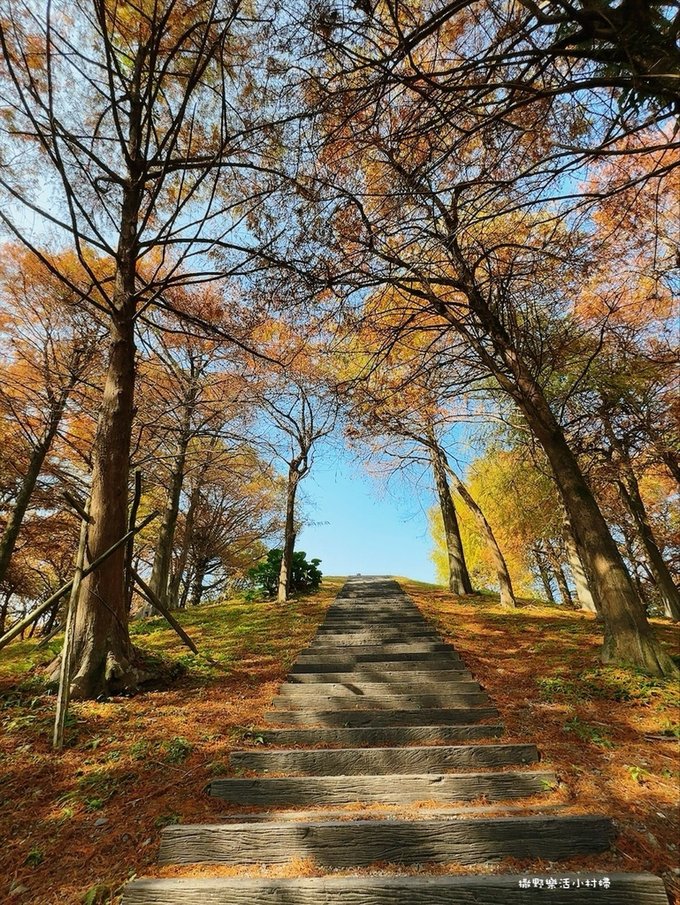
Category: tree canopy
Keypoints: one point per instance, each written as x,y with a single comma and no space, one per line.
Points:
233,231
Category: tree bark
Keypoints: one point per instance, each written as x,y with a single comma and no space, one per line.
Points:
459,577
670,596
288,535
103,653
628,635
561,581
584,594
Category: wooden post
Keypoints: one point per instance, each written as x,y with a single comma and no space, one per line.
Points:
67,650
129,553
156,602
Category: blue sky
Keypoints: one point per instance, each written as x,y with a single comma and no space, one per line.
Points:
357,523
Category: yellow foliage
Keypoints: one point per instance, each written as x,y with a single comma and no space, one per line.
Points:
519,503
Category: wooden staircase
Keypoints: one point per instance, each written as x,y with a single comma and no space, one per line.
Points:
380,714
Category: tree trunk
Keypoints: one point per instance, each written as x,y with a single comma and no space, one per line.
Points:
51,620
584,594
197,587
459,578
629,491
160,573
671,463
4,609
23,498
670,459
184,597
561,580
628,635
102,649
180,567
636,565
507,595
288,536
670,596
544,574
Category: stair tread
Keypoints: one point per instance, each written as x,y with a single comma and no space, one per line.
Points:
371,735
495,889
387,788
380,677
348,761
421,717
346,843
344,664
367,689
377,702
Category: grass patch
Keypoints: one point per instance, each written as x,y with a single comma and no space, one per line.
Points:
76,825
587,733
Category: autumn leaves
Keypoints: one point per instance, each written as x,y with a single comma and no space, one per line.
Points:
404,213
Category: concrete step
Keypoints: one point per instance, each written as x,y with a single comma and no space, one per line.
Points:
349,761
421,717
379,735
346,844
497,889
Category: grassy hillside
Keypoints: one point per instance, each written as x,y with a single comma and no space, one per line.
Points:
79,824
76,825
611,734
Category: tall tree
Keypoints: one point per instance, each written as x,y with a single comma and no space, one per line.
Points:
48,348
300,414
236,504
396,395
190,392
133,117
458,576
473,239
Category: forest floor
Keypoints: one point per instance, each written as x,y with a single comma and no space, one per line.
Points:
77,825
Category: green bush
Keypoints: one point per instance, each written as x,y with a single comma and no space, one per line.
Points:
305,575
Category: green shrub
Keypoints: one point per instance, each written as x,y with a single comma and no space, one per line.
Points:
177,749
588,733
305,576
